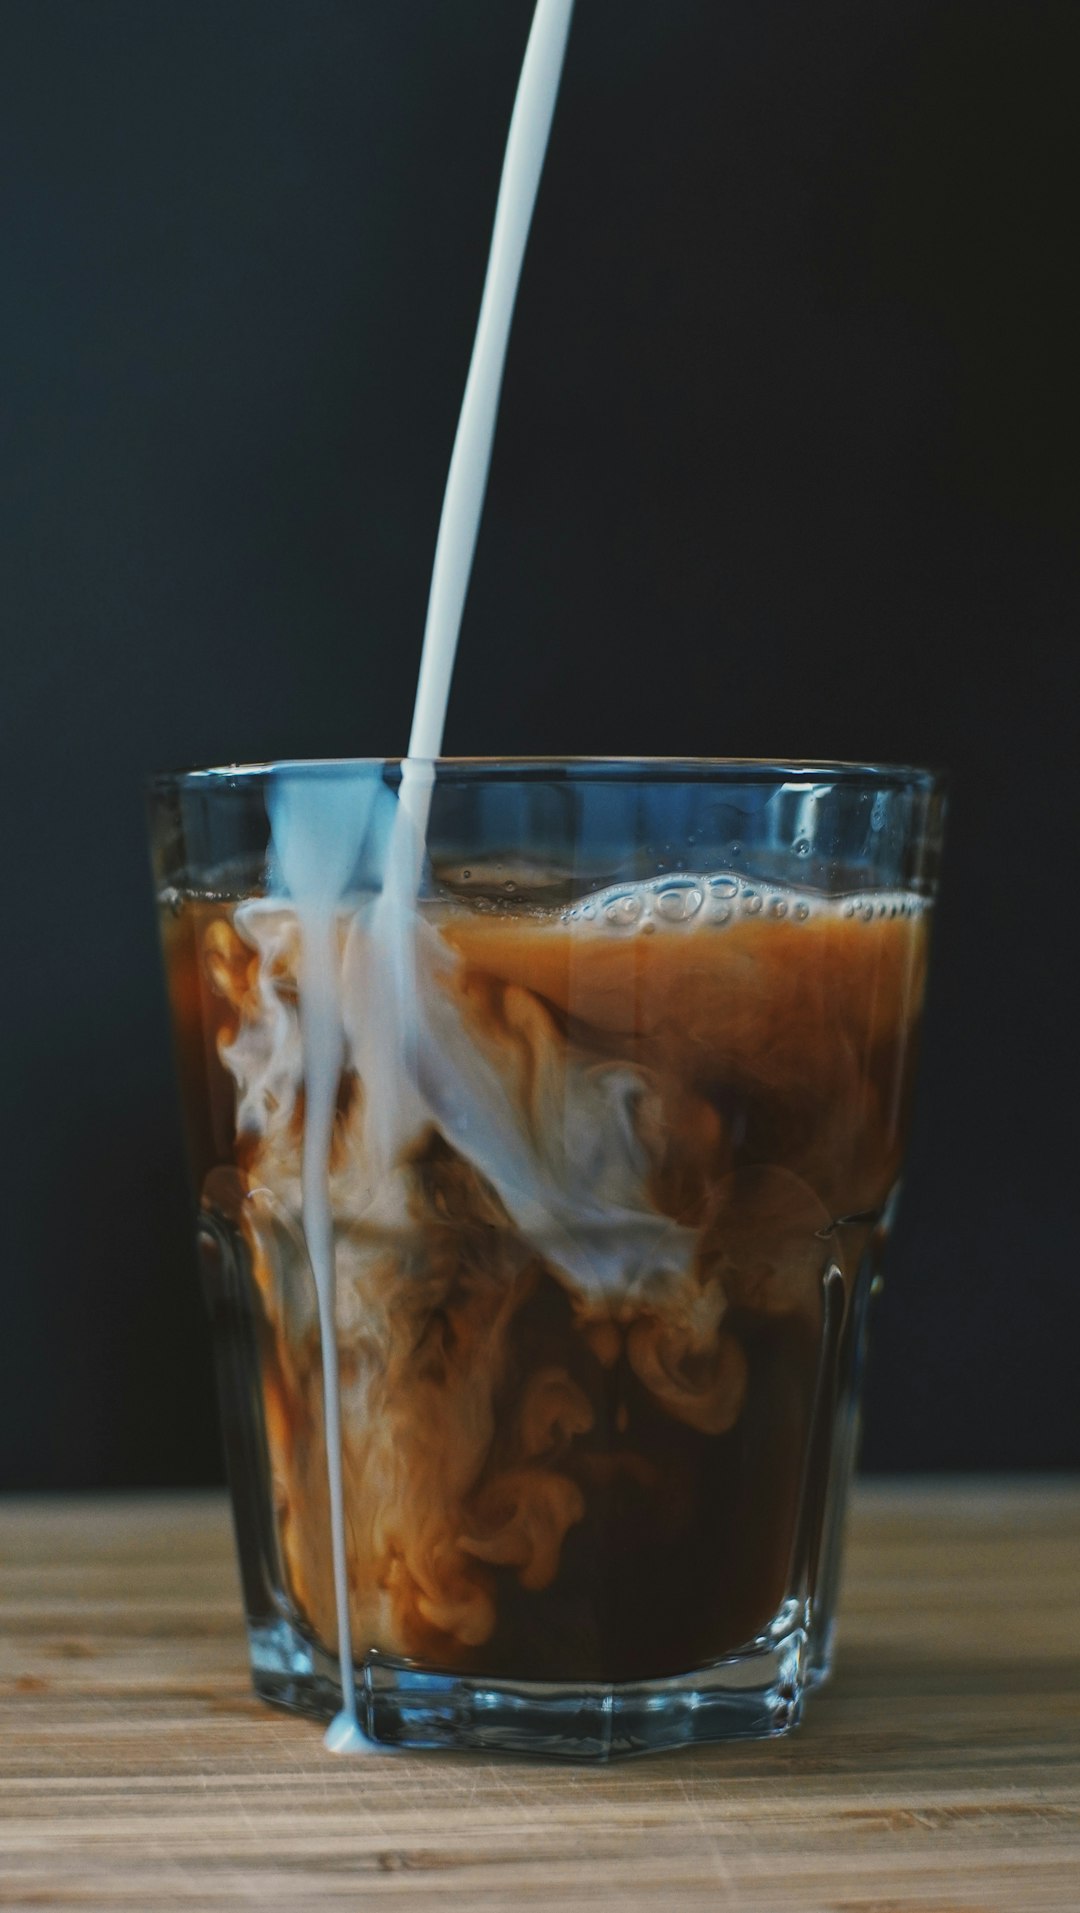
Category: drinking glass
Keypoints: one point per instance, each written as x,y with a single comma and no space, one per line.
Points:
621,1077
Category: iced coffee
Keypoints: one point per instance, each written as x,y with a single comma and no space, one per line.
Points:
598,1227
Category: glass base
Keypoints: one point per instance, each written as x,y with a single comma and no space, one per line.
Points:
753,1695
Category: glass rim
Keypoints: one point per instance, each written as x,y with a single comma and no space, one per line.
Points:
732,770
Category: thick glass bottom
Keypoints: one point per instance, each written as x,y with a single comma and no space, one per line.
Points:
753,1695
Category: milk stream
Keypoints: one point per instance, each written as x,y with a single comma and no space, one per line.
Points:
319,828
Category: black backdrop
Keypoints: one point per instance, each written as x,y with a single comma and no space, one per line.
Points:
786,464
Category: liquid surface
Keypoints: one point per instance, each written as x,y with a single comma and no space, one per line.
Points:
578,1267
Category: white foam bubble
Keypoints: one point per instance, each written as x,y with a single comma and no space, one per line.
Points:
688,902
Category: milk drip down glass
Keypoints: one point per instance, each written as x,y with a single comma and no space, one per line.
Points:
545,1135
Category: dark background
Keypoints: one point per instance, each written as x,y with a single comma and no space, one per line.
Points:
787,464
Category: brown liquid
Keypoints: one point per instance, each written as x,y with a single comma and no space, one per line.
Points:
549,1476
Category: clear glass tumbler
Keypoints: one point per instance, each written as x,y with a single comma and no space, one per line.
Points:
621,1058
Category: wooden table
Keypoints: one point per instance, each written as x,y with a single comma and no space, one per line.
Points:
939,1771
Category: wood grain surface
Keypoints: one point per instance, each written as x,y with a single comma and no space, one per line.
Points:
939,1770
